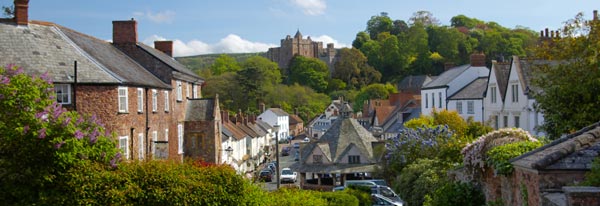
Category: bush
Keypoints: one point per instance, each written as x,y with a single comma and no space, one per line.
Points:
456,194
340,198
363,197
419,179
592,178
498,157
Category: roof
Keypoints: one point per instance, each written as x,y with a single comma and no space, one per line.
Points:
524,69
413,83
502,72
295,119
200,110
571,152
473,90
44,47
175,65
278,111
447,76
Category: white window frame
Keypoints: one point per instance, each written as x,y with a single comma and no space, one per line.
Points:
459,107
353,159
140,100
179,92
123,100
154,140
195,91
141,146
124,146
166,101
63,93
188,90
440,98
515,92
493,94
470,107
180,138
166,134
154,100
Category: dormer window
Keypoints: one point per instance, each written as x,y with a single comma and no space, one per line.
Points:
353,159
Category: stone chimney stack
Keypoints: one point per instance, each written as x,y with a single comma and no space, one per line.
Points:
595,17
478,60
21,12
546,33
261,107
125,32
165,47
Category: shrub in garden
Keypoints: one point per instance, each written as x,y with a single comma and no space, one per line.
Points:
419,179
363,197
40,141
498,157
456,194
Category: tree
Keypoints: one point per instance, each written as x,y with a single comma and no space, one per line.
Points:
224,63
311,72
424,18
373,91
40,141
569,79
361,38
230,94
352,69
308,102
462,20
378,24
8,11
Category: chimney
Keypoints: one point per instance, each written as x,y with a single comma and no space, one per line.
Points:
165,47
21,12
541,33
225,116
261,107
478,60
296,111
595,17
546,32
330,46
448,65
125,31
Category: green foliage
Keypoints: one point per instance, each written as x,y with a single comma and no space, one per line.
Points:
224,63
476,129
569,78
452,119
419,179
592,178
353,70
456,194
342,198
373,91
379,24
310,72
498,157
40,141
422,121
202,63
308,102
363,197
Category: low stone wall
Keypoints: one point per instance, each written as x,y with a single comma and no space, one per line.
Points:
326,188
577,196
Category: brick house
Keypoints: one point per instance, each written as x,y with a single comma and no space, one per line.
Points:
202,130
143,105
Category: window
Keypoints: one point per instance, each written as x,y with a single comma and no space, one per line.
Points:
195,91
318,159
154,100
187,91
63,93
353,159
493,94
141,146
432,100
123,99
179,92
124,146
515,93
505,121
459,107
496,122
140,99
180,138
426,100
440,98
517,119
154,139
166,134
470,107
166,101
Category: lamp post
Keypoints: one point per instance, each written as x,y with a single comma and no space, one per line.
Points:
277,153
228,150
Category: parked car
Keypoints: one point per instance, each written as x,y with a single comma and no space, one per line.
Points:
386,192
306,139
285,151
296,156
359,182
382,200
265,175
296,145
287,175
338,188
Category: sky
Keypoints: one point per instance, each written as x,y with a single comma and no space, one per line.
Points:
240,26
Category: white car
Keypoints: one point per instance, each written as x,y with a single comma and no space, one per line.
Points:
380,200
306,139
287,175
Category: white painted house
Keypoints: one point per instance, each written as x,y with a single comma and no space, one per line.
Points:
508,101
276,116
436,94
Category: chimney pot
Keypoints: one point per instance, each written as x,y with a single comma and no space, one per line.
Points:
21,12
546,35
165,47
125,31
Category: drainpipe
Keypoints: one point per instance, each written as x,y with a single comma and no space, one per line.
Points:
75,87
147,119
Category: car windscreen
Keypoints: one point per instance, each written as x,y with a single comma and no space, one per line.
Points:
286,172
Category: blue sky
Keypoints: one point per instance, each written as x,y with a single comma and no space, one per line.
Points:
235,26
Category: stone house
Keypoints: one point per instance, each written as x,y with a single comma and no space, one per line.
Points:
508,101
318,125
202,130
436,94
143,105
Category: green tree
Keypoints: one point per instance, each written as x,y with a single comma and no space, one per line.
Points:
308,102
418,41
361,38
311,72
462,20
424,18
420,179
8,11
40,141
224,63
352,69
373,91
379,24
569,80
230,94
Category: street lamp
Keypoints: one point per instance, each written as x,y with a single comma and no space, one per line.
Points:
228,150
277,153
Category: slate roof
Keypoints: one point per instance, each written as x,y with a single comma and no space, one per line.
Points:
200,110
413,83
473,90
278,111
41,48
175,65
113,59
295,119
571,152
524,69
502,72
447,76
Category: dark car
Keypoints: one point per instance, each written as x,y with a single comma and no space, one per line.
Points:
265,175
285,151
296,145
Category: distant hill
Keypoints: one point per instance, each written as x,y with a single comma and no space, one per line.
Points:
200,62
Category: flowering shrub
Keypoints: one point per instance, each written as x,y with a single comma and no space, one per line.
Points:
475,152
40,140
498,157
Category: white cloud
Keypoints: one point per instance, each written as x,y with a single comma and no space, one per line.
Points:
230,44
311,7
160,17
327,39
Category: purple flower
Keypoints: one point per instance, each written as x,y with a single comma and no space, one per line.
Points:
78,134
46,78
42,133
94,136
66,122
58,145
4,80
41,114
79,120
114,160
58,111
25,129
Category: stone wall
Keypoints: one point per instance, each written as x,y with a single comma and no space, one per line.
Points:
201,142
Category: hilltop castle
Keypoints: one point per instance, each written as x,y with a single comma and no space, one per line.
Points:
305,47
